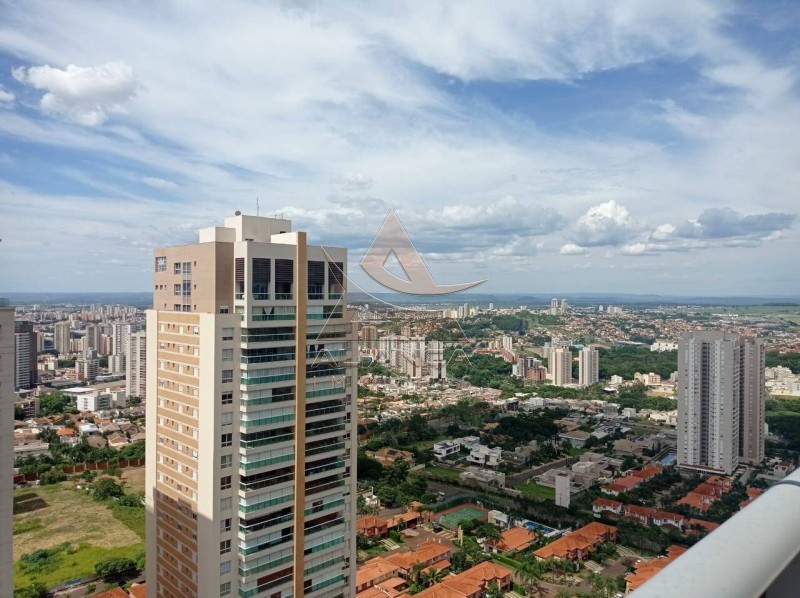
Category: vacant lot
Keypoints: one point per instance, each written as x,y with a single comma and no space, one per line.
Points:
442,472
47,516
534,490
134,478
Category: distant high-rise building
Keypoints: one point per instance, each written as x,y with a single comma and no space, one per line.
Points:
508,343
6,447
588,366
118,364
136,365
491,306
369,333
251,439
92,338
463,311
561,366
721,395
25,354
564,306
121,332
554,306
61,337
87,367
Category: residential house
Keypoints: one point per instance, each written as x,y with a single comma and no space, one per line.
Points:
576,438
472,583
372,527
446,448
428,554
644,570
373,572
485,456
604,507
577,545
515,538
388,456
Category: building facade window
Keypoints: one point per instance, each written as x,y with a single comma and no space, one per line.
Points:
227,398
227,375
227,419
227,355
225,589
225,568
225,483
226,440
161,264
225,525
227,334
226,461
225,547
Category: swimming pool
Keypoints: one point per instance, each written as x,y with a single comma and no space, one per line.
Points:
668,459
538,527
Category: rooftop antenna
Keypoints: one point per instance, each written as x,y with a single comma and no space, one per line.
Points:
257,207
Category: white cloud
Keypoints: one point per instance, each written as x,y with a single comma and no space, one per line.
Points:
158,183
85,95
608,223
353,181
6,97
572,249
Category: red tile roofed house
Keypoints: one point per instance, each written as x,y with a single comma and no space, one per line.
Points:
621,485
665,518
112,593
647,569
138,590
696,500
373,572
604,507
578,544
752,494
429,553
645,473
515,538
372,526
388,456
708,526
642,515
403,520
472,583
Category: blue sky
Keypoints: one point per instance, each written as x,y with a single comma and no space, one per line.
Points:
646,147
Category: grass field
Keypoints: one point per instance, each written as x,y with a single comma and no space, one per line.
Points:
47,516
134,478
533,490
443,472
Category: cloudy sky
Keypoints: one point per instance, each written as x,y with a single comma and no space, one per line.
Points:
646,147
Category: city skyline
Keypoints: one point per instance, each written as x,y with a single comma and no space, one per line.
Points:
659,158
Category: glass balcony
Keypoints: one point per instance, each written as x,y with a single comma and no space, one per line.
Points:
324,430
248,593
266,440
311,490
266,400
324,392
319,450
266,338
265,504
323,468
248,487
270,317
266,421
324,410
267,358
324,584
284,296
246,569
324,507
323,526
261,525
260,296
323,372
265,462
267,379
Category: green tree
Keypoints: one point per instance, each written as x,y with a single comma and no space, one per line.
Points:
107,488
36,590
115,569
53,403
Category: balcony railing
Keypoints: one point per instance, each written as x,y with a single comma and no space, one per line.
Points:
270,317
261,525
324,392
755,553
267,358
284,296
267,379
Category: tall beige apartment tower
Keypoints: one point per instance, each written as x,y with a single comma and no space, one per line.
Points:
6,446
136,365
561,366
588,366
250,417
721,394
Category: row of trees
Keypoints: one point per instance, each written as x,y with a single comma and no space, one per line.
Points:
60,454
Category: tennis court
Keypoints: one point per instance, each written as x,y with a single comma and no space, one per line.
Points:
451,519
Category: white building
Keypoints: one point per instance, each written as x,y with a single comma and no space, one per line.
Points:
92,400
136,365
661,346
588,366
721,394
561,366
120,333
442,450
563,482
485,456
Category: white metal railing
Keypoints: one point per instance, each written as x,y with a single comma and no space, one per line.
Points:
755,553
